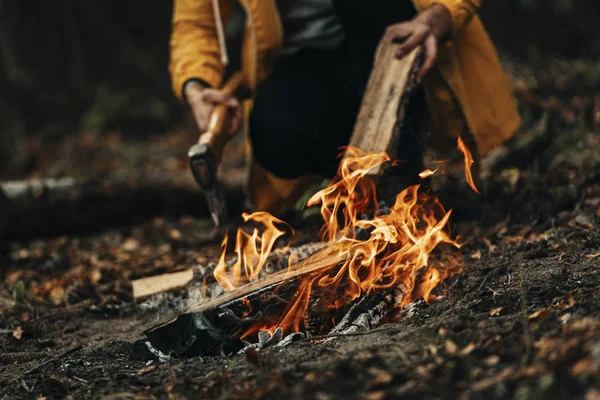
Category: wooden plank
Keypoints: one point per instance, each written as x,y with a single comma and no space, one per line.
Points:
381,109
149,286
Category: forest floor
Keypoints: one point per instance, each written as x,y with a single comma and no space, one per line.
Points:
521,321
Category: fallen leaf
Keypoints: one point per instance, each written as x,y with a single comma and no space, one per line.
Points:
565,318
593,394
380,377
373,395
499,377
450,347
495,312
40,397
593,256
146,369
17,333
491,247
468,349
57,294
310,377
585,367
476,255
491,361
175,234
541,314
131,244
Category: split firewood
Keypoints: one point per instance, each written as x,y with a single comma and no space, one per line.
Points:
149,286
379,121
56,206
278,260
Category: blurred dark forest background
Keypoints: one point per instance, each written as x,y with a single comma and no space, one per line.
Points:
69,66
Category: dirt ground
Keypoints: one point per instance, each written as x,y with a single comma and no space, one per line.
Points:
521,321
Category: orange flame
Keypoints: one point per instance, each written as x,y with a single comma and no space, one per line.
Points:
252,251
468,164
427,173
393,249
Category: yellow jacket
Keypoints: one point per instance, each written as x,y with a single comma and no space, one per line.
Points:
467,94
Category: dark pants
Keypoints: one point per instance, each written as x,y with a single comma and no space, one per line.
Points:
305,111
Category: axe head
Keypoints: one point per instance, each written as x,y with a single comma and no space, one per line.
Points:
204,168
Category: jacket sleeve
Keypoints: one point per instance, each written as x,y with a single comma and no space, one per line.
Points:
461,11
194,46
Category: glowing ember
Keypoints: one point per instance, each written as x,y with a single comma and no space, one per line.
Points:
380,250
468,164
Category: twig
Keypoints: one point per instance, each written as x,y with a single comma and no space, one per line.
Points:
51,360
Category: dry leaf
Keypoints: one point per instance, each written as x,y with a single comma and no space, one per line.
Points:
175,234
491,247
380,377
146,369
541,314
593,256
373,395
131,244
495,312
476,255
17,333
57,294
450,347
310,377
40,397
491,361
585,367
468,349
593,394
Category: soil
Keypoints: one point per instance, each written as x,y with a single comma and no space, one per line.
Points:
521,321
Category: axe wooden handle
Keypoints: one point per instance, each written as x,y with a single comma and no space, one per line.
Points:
216,135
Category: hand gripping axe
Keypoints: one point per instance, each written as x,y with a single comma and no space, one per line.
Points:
205,156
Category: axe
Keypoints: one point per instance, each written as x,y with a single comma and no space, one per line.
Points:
205,156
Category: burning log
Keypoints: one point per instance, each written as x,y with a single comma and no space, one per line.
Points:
203,329
277,261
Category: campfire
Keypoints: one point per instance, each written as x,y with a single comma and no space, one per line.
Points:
371,261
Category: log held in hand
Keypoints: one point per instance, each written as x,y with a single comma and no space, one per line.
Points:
381,112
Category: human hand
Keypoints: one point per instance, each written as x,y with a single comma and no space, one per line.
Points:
427,29
202,101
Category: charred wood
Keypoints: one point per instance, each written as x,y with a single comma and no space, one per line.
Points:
369,311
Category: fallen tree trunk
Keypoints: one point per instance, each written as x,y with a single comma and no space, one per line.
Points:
44,207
